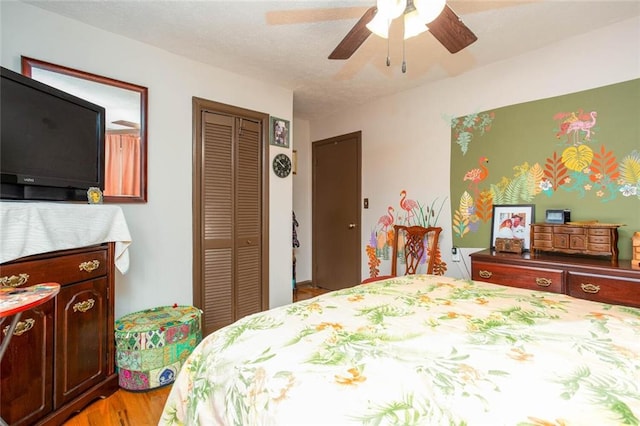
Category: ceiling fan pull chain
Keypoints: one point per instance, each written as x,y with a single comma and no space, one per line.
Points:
388,56
404,62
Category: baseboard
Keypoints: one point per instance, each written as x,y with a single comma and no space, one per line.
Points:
307,283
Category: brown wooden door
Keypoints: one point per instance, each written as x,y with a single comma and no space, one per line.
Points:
81,338
230,279
336,212
27,367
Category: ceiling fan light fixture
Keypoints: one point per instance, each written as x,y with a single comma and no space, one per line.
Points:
391,9
429,9
413,24
379,25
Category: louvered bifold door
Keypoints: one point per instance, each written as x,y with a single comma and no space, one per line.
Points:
248,214
217,217
231,215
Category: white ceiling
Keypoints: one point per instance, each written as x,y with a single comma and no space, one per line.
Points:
287,42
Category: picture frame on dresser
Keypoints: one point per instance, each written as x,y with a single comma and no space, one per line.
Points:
512,221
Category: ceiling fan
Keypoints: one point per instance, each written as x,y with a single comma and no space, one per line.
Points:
447,27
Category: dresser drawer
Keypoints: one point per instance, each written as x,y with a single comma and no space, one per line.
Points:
599,239
61,269
569,230
518,276
600,231
603,248
603,288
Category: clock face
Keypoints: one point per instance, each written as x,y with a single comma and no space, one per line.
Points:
282,165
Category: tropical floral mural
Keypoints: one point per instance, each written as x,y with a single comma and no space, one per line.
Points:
579,152
408,212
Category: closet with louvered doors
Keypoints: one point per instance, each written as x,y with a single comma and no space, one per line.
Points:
230,211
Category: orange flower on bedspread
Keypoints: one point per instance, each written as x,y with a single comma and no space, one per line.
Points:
314,307
354,379
283,392
324,325
424,299
468,373
539,422
626,352
519,355
602,316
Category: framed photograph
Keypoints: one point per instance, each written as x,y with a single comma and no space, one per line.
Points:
279,132
512,221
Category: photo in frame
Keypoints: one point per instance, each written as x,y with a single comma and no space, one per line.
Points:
512,221
279,132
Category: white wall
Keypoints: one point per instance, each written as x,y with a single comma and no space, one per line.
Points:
408,130
161,253
302,199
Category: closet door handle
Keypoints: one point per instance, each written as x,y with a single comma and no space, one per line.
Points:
352,225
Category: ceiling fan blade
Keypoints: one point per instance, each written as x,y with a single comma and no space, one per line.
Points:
449,29
354,38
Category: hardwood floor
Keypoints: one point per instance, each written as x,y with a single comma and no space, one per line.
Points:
125,408
307,292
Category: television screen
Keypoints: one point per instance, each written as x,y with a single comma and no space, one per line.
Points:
51,142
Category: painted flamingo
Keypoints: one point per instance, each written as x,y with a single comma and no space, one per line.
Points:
407,205
583,125
387,220
477,175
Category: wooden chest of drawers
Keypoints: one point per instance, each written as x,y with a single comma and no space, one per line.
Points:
62,357
600,280
587,239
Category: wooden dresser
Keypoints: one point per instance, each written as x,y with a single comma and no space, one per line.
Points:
61,356
602,280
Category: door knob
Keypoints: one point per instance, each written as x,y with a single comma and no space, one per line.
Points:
352,225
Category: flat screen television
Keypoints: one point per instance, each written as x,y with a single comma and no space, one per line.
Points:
51,142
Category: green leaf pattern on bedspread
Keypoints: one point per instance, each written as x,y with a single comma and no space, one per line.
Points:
418,350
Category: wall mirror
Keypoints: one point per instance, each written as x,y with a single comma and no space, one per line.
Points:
126,124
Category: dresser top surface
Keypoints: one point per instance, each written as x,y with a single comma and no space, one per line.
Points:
582,224
556,260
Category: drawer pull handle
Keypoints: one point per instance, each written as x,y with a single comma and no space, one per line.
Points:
90,266
590,288
485,274
14,280
544,282
21,327
84,306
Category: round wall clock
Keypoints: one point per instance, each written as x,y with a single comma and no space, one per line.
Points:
282,165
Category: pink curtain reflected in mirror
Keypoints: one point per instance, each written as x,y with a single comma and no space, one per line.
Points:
122,158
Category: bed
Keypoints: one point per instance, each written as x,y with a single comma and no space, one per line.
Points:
419,349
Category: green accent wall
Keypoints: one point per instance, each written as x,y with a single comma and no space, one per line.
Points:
579,151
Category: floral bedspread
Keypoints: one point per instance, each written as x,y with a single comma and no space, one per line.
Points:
420,350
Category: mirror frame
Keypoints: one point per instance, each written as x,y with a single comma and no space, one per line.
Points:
28,64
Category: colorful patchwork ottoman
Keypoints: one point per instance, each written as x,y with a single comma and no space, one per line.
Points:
152,345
